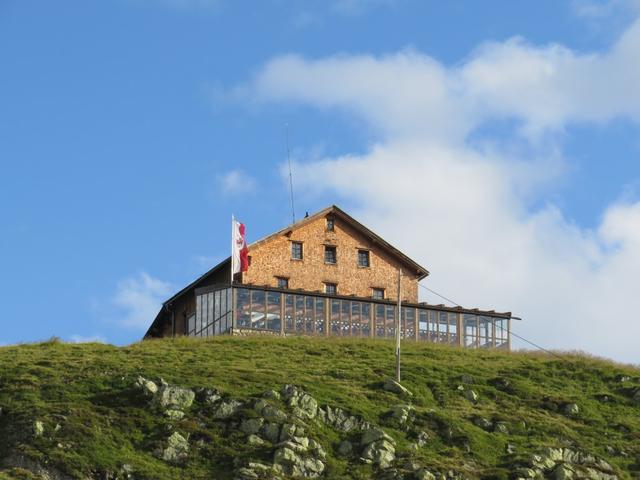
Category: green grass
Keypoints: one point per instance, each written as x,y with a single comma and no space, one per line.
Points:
104,422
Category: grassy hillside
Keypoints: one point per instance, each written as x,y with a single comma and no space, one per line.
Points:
78,411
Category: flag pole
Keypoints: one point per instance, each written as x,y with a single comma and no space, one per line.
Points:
233,221
398,324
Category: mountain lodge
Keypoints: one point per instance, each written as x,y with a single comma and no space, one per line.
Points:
325,275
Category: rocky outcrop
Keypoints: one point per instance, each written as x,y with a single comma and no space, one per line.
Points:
176,449
339,419
172,401
378,448
566,463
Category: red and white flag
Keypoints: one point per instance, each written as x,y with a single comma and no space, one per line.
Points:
240,252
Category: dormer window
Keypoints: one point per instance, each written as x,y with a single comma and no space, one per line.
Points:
330,224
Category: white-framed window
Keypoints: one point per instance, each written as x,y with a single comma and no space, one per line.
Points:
377,293
330,254
331,288
296,250
364,258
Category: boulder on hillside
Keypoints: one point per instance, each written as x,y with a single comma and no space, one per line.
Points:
177,449
391,385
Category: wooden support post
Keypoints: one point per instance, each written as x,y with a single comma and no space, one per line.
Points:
234,309
460,329
372,323
266,309
304,314
327,316
282,313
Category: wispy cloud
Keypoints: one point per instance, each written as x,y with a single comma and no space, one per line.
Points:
465,193
138,299
598,9
236,182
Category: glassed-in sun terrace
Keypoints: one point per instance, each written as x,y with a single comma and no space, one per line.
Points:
252,309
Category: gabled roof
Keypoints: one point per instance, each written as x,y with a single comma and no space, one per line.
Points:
333,210
339,213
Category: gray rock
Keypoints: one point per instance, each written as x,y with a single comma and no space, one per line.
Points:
38,428
210,395
422,438
172,397
373,435
380,452
563,472
177,449
500,427
289,431
246,473
148,387
316,449
571,409
255,440
345,448
226,408
483,423
296,466
399,414
260,405
470,395
174,414
391,385
250,426
526,473
510,449
303,404
271,432
424,474
271,394
341,420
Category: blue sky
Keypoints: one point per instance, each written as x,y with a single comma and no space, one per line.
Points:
496,142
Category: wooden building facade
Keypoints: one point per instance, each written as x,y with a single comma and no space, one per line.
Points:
325,275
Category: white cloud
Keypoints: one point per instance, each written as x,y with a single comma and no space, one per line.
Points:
236,182
463,207
139,298
598,9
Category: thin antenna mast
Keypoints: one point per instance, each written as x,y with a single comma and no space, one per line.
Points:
293,210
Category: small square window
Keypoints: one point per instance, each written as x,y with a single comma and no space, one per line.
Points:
363,258
331,288
377,293
330,224
330,255
282,282
296,250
